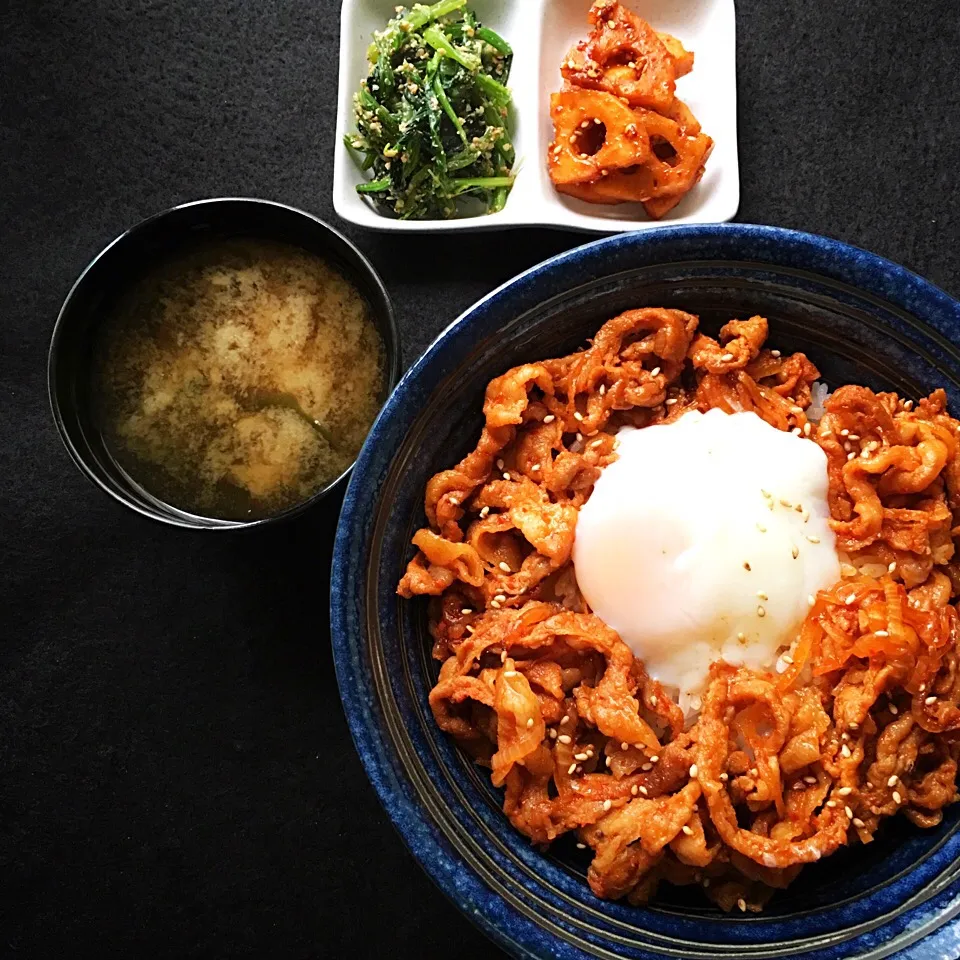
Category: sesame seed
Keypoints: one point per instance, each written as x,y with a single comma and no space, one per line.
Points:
564,738
694,771
506,476
845,791
727,357
892,567
564,719
577,415
654,371
893,709
529,722
786,503
807,429
845,751
581,846
503,653
746,566
607,804
741,636
549,418
535,468
499,464
654,758
831,803
857,822
922,687
812,538
504,566
644,791
798,785
761,528
811,599
795,551
854,436
896,797
810,778
509,673
579,437
495,604
634,790
603,389
608,761
787,658
484,513
501,597
671,401
796,431
553,734
596,443
581,756
742,904
647,767
762,595
892,782
930,700
851,455
687,830
844,433
466,610
761,612
624,745
774,353
766,493
571,768
724,777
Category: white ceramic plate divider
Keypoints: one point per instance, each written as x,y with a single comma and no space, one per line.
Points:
541,32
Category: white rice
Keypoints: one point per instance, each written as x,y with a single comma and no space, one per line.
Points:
820,394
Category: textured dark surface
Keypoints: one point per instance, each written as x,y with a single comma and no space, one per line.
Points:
176,778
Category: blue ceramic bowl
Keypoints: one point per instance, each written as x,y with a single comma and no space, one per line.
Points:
862,320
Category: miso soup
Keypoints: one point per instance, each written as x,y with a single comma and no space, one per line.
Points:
238,379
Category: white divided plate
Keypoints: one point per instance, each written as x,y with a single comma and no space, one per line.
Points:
541,32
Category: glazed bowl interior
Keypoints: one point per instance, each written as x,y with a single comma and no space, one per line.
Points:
109,275
536,903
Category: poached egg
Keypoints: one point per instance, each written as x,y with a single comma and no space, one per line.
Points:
706,540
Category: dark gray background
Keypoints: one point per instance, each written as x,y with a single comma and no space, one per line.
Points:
176,777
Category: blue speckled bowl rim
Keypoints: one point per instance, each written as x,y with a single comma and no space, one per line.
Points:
825,257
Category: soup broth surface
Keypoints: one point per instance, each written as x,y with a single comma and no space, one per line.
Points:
238,379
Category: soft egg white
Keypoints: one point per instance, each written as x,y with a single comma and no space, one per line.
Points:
706,540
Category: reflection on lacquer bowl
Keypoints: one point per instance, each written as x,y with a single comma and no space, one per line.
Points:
862,320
